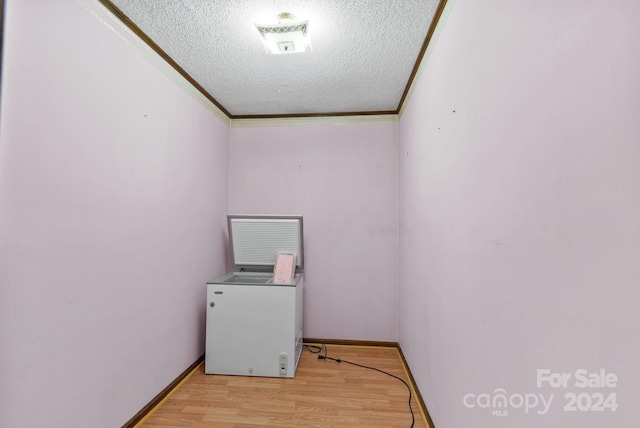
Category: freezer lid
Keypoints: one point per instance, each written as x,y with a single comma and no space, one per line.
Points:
256,240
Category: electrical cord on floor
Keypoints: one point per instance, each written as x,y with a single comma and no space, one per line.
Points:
315,349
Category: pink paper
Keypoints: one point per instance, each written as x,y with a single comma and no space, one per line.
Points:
285,268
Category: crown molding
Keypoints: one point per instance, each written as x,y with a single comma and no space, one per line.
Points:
317,120
107,17
439,20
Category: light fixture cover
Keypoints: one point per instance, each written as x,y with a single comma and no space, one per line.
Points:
287,36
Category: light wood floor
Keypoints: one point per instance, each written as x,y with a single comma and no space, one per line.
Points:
323,394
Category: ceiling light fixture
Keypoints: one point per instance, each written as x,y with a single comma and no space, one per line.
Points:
287,36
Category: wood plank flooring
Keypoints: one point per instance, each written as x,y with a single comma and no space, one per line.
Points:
323,394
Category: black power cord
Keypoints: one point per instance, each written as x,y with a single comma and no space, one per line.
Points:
315,349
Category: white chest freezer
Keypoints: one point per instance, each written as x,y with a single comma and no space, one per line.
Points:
254,327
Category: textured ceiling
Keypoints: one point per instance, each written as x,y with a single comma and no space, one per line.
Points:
362,59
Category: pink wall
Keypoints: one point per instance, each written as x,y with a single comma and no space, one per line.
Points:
519,210
519,239
343,180
113,196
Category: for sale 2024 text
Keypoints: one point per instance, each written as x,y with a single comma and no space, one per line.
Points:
592,398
